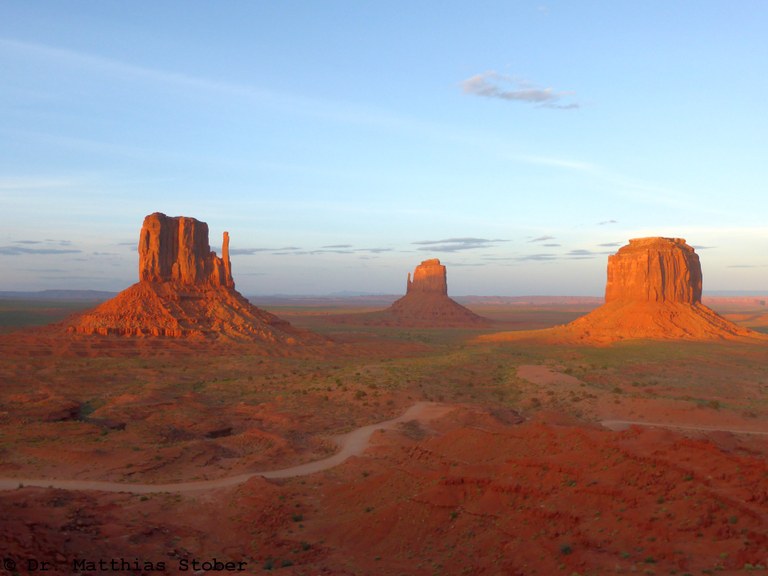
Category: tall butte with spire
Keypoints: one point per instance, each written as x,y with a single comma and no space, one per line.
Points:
653,290
426,302
184,291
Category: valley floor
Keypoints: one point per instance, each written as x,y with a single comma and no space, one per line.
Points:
641,457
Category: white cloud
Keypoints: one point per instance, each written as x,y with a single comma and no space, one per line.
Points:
494,85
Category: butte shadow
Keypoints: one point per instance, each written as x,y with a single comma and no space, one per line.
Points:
653,291
185,291
426,304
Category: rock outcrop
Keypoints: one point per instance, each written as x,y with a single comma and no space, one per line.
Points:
426,303
429,277
176,250
184,291
653,290
654,270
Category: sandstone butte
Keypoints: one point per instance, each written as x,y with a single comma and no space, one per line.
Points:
653,290
426,302
184,291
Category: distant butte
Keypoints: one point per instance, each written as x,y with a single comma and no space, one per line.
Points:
184,291
653,290
426,304
429,277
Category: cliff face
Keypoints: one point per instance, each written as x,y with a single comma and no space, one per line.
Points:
429,277
176,249
654,270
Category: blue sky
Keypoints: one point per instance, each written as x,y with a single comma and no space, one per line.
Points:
342,142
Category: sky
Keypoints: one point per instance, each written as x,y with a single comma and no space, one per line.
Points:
343,142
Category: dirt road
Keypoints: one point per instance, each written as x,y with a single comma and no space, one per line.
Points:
350,444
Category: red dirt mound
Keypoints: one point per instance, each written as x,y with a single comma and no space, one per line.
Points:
626,320
170,309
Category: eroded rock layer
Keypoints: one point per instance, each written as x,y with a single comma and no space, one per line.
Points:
177,311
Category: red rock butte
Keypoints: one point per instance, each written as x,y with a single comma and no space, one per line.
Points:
184,291
177,250
429,277
653,290
426,302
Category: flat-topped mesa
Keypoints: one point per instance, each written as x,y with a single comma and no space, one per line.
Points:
653,290
654,270
429,277
176,249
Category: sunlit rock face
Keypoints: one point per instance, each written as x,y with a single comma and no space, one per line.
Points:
429,277
185,291
654,270
653,290
176,249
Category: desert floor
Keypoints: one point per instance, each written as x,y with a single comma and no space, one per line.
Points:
519,457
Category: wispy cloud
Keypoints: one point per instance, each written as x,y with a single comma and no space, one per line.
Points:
541,239
610,244
338,246
374,250
457,244
331,251
536,257
580,254
64,56
23,250
346,112
606,222
252,251
494,85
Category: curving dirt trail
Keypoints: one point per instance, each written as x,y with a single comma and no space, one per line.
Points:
350,444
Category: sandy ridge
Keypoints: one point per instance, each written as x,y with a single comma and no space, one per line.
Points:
350,444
